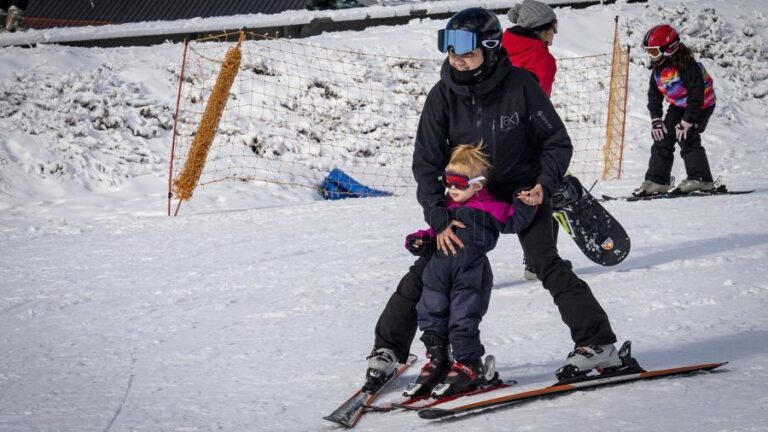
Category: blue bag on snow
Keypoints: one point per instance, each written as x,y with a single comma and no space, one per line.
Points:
338,185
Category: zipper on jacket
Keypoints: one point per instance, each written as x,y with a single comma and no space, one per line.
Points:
479,125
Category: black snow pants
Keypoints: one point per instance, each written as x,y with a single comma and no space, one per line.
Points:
578,308
693,153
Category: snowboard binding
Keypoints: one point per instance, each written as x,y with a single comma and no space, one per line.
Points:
569,192
374,380
569,374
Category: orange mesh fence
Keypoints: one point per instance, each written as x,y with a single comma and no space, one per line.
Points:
296,110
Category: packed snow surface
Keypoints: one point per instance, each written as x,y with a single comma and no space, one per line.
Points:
254,310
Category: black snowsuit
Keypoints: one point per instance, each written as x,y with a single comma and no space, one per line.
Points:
527,144
691,82
457,288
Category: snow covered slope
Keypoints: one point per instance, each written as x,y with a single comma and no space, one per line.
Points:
255,309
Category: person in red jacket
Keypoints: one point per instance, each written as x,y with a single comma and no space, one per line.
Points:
527,47
527,42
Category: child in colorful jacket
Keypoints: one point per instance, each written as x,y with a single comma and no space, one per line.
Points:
685,84
457,287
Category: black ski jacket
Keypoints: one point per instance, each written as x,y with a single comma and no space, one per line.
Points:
524,137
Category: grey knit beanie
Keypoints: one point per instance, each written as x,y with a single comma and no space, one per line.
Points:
531,14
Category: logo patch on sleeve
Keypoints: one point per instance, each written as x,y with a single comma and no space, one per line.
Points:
543,119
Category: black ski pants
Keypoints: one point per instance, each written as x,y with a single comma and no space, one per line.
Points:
693,153
579,309
527,260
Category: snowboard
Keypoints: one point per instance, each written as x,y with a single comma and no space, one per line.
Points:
595,231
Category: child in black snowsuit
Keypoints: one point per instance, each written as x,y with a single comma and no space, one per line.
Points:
685,84
457,287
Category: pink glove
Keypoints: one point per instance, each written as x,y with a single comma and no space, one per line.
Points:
658,130
681,130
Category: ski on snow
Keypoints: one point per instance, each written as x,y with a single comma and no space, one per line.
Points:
417,403
497,396
559,389
719,191
349,413
675,192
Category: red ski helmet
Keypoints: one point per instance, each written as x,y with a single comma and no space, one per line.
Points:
661,40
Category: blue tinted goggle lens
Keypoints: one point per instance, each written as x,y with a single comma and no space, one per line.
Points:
462,41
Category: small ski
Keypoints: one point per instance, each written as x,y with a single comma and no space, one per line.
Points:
675,192
349,413
421,402
560,389
416,400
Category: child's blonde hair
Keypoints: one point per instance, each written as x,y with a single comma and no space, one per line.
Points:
469,160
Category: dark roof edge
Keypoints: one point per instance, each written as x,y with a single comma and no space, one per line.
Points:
313,28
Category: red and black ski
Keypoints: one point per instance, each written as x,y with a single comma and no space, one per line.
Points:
427,402
417,403
349,413
558,389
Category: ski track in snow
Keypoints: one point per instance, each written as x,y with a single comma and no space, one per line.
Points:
255,309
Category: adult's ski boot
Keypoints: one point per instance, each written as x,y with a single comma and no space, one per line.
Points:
594,361
382,364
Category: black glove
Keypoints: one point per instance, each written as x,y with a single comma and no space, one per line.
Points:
420,243
568,193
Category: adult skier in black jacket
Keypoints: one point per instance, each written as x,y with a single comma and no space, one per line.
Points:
482,97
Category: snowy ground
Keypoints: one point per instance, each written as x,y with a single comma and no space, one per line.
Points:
256,308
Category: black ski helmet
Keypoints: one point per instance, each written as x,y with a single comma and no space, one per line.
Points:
486,27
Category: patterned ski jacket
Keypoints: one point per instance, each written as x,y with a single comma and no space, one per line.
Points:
484,216
691,89
527,51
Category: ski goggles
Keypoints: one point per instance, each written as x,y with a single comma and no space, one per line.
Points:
458,181
654,52
461,41
667,50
